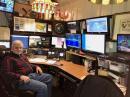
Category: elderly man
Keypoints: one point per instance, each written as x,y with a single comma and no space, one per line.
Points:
17,67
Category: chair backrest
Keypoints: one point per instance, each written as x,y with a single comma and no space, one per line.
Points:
95,86
5,88
128,85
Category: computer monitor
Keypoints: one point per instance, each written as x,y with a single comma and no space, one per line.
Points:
123,43
22,38
7,5
46,41
33,40
72,25
59,42
5,43
93,43
39,41
73,40
98,24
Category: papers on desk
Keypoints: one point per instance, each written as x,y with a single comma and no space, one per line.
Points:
123,88
35,60
38,60
50,62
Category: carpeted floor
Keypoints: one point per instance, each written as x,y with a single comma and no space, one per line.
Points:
57,92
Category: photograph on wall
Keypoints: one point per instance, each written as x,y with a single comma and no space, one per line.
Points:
41,27
121,25
49,27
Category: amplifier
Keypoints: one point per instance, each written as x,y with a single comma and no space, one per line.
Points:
118,67
103,63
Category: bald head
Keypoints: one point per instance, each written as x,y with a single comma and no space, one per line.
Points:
17,46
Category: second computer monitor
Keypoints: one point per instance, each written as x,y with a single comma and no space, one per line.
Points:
73,40
93,43
22,38
58,42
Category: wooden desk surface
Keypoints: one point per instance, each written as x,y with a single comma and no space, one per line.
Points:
75,70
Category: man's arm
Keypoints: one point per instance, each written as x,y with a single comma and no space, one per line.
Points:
7,69
35,67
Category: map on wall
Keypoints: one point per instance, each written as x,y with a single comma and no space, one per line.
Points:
41,27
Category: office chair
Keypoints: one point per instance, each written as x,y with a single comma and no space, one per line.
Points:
96,86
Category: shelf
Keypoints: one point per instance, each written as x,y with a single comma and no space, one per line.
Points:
84,56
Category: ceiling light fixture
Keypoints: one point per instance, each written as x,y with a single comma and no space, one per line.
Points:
44,6
106,2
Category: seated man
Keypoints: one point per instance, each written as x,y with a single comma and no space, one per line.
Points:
17,68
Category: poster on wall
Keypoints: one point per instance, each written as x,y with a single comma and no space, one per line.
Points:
24,24
121,25
4,33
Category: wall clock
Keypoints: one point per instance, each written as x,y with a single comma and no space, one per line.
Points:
59,28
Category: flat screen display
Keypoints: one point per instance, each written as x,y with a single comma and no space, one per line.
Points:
5,43
39,42
93,43
46,41
24,39
123,43
33,40
7,5
58,42
72,25
97,24
73,40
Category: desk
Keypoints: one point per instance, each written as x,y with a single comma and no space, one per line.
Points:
75,70
78,71
69,74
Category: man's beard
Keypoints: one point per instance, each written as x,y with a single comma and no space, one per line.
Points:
18,53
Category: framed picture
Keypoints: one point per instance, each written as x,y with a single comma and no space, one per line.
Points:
49,27
23,10
121,24
4,33
41,27
24,24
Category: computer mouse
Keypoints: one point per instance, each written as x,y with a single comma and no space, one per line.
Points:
61,64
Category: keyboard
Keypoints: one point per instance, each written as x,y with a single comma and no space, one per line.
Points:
35,60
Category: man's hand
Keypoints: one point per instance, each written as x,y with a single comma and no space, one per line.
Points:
24,78
38,70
